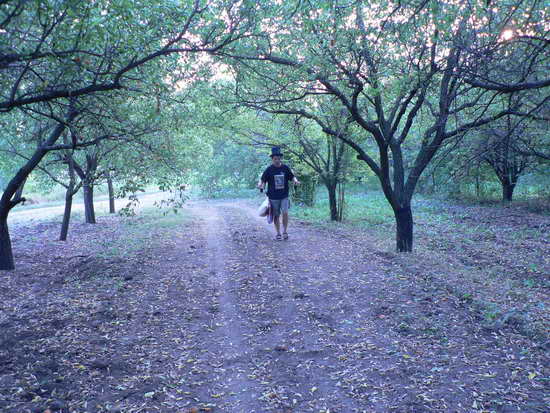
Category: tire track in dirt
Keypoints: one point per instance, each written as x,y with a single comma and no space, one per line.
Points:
275,351
297,367
239,392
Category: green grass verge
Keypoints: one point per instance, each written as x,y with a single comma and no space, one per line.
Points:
369,209
222,193
140,231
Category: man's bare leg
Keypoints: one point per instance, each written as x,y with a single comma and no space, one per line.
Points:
285,221
277,224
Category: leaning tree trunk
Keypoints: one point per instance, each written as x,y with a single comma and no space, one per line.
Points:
404,228
6,255
112,209
7,200
67,213
89,203
69,194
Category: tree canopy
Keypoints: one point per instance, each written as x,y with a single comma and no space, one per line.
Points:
168,92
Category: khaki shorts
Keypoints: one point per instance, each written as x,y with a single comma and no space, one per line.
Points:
279,206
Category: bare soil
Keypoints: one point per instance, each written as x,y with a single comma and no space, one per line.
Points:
215,316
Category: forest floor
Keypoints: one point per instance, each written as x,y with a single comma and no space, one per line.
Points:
205,312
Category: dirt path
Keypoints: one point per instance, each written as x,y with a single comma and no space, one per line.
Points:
328,326
232,328
221,318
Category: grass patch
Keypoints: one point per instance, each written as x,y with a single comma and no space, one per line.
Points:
371,210
153,218
536,200
222,193
149,227
366,208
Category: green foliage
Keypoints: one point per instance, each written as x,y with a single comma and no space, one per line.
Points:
305,193
201,121
227,167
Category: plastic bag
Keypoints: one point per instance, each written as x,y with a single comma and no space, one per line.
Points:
263,210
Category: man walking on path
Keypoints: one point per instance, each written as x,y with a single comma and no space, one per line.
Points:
277,176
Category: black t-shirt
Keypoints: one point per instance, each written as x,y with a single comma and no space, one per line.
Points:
277,181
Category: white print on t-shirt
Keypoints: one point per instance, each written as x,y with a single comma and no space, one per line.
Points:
279,181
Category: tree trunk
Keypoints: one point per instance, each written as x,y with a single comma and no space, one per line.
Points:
507,191
12,196
404,229
6,255
67,213
333,201
7,200
112,209
89,203
19,193
341,201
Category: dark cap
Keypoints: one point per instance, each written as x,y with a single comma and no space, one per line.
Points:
276,151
